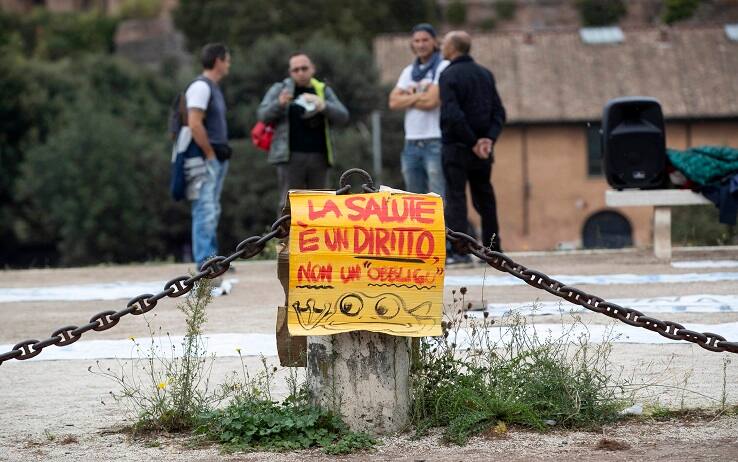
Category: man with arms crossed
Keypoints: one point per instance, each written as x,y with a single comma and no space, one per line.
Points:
417,93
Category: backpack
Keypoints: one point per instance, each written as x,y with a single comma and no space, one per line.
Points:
178,109
262,135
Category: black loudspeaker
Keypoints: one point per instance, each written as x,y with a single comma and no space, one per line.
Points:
633,143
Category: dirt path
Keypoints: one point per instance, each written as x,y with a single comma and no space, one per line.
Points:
57,410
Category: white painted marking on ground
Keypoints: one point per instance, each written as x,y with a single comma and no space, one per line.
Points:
596,333
594,279
669,304
227,345
705,264
107,291
125,290
221,345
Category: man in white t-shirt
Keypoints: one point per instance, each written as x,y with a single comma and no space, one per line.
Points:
417,93
207,151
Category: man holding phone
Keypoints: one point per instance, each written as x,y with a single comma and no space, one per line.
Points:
303,110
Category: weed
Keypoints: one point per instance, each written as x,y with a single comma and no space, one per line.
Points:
69,439
724,393
351,442
469,379
252,422
168,391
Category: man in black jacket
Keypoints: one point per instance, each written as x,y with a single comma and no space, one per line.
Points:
472,117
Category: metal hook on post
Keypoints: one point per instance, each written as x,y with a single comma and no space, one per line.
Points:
344,187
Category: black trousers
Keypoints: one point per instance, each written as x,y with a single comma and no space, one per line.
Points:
460,165
305,170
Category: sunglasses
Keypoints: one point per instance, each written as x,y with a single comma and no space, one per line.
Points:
300,69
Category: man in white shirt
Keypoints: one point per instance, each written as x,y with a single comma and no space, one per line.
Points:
207,154
417,93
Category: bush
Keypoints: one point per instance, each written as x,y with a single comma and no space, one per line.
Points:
678,10
456,13
506,9
94,177
469,383
699,225
88,188
253,424
48,35
140,9
241,23
595,13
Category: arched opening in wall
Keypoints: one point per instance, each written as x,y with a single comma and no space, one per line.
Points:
607,230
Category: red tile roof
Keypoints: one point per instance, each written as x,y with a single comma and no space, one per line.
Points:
692,71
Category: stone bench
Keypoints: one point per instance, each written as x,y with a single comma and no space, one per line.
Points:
662,200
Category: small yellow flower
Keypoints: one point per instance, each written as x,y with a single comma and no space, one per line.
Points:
132,338
161,385
238,350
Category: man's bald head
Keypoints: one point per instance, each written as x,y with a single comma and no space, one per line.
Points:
456,43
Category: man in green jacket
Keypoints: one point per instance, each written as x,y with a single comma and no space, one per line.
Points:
303,110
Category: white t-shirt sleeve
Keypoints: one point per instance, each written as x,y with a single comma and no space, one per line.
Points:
444,64
405,82
198,95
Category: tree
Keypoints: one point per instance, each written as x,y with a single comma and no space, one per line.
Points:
89,189
242,23
456,13
600,12
678,10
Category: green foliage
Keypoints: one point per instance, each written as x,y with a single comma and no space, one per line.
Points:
140,9
245,22
698,225
456,13
251,423
595,13
523,379
351,442
86,186
488,24
678,10
47,35
506,9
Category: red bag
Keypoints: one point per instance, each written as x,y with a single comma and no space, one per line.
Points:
262,134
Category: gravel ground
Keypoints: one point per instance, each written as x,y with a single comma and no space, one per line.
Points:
57,410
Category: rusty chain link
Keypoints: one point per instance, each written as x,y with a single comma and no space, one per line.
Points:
463,243
466,244
141,304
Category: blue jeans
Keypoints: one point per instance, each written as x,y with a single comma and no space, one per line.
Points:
206,212
422,168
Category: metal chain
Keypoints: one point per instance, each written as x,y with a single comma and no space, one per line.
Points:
144,303
462,243
176,287
466,244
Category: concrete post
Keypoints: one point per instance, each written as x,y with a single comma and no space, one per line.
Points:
662,232
364,377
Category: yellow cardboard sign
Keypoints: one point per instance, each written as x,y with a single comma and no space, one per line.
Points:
366,262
